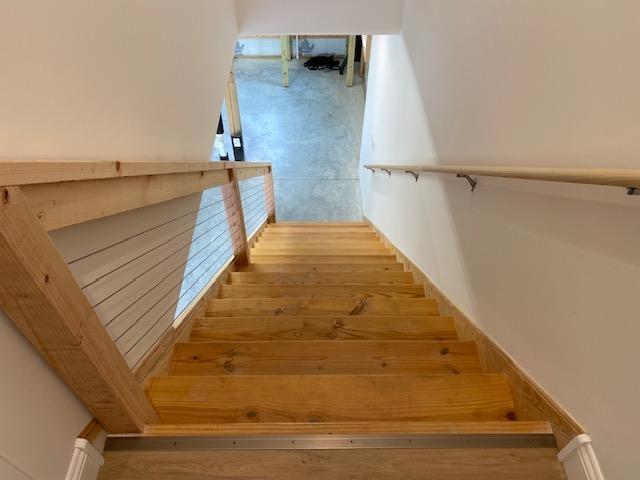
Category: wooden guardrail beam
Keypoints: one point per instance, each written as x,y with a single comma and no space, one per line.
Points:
28,172
67,193
42,298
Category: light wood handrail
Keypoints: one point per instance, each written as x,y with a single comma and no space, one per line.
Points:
28,172
39,292
627,178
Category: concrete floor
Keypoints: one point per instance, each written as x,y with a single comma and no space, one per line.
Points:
311,134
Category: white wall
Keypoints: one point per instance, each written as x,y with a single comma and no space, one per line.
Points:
549,271
113,80
89,79
275,17
40,417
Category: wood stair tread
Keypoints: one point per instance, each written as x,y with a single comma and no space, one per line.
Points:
322,259
371,267
306,328
324,333
320,251
317,278
307,398
229,307
325,357
321,291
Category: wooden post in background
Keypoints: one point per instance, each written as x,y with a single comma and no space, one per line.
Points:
269,197
351,55
40,295
233,111
285,56
233,107
235,218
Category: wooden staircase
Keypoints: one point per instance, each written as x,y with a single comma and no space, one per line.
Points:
324,333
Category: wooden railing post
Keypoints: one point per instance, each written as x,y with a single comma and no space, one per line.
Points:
235,217
285,56
41,296
269,196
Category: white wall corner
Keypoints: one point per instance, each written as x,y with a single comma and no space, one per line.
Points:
85,461
579,459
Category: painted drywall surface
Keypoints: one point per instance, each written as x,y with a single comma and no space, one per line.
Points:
124,80
549,271
139,80
40,417
275,17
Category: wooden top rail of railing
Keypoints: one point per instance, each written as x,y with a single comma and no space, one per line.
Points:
626,178
27,172
38,290
69,192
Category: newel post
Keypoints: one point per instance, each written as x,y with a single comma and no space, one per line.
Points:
269,196
235,218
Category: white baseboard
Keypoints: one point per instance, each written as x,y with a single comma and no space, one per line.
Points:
579,460
85,462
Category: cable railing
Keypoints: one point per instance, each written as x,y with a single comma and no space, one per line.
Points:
106,261
625,178
252,193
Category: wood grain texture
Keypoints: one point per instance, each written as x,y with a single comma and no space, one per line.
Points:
361,327
42,298
592,176
235,218
310,243
412,464
156,362
321,291
315,229
345,428
532,403
28,172
241,307
275,235
325,357
313,278
67,203
322,267
323,259
323,398
322,251
270,199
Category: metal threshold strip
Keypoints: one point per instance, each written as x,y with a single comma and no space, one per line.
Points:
328,442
